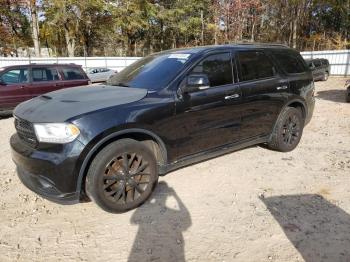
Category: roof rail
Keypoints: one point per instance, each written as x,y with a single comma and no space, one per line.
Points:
246,42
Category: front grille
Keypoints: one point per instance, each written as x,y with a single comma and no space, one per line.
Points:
25,131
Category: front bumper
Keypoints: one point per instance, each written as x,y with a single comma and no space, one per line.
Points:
50,172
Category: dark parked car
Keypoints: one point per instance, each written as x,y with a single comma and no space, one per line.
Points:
23,82
320,68
347,86
110,142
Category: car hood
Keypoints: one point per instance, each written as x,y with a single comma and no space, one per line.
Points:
61,105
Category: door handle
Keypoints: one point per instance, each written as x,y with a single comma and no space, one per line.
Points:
232,96
282,87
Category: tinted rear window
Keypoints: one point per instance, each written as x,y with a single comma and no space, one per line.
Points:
255,65
325,62
290,62
44,74
72,73
317,63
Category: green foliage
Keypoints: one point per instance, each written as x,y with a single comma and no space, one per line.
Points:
139,27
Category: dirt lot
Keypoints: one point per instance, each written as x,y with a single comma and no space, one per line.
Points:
251,205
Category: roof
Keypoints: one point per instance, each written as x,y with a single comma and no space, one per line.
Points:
35,64
198,49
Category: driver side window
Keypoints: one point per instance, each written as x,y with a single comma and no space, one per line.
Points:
217,67
15,76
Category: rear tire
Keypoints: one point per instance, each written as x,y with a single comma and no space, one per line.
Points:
122,176
288,130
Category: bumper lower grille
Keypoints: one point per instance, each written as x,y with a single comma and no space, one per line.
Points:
25,131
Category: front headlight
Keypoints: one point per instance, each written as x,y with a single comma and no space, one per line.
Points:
56,133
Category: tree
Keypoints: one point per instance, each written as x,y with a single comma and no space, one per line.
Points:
139,27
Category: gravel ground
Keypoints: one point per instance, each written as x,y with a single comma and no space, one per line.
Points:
251,205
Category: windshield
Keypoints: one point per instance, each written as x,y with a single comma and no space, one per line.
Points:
152,72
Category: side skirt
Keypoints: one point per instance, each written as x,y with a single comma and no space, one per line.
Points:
209,154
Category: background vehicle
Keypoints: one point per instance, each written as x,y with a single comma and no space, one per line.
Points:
100,74
347,86
23,82
163,112
320,68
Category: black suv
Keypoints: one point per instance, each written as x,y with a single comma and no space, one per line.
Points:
110,142
320,68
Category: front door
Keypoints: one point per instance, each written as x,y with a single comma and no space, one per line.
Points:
14,88
210,118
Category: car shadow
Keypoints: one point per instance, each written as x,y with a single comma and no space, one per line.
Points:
160,227
338,96
319,230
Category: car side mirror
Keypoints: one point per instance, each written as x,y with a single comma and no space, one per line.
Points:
196,82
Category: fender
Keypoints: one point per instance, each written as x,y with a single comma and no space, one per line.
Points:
98,145
295,100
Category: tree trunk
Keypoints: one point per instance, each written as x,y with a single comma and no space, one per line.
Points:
70,43
252,38
295,28
35,27
202,29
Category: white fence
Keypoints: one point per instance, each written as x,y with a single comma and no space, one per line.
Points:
339,60
116,63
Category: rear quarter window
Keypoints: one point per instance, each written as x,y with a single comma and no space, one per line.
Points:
291,63
317,63
72,73
325,62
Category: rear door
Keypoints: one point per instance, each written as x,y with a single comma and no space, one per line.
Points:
262,87
105,73
14,87
44,79
73,76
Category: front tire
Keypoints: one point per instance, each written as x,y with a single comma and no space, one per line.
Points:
122,176
288,130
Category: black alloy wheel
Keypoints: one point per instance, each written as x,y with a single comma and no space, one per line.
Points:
122,176
125,178
288,130
291,130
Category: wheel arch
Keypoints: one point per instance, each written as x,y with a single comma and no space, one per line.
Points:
298,104
149,138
